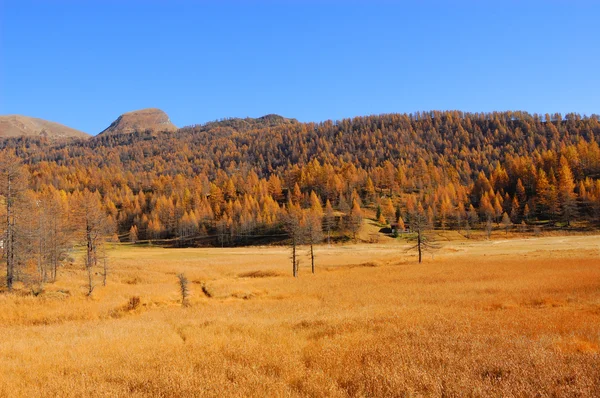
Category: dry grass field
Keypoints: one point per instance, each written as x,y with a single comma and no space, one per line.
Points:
516,317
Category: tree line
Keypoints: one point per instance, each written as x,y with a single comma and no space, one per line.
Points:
42,227
234,181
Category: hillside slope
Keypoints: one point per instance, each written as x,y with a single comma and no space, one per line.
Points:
231,180
25,126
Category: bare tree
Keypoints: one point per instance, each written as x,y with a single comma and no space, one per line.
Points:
295,260
13,182
314,233
293,223
184,289
60,231
419,225
104,264
44,232
94,225
31,234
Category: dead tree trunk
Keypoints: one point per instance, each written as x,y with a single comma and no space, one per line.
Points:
294,261
312,258
90,258
419,245
10,255
54,261
105,263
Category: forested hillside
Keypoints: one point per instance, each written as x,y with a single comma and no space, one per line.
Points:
229,181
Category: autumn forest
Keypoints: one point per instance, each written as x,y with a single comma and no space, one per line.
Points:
246,181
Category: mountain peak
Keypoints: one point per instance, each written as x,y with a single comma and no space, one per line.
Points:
152,119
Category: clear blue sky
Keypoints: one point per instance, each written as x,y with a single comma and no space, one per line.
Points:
83,63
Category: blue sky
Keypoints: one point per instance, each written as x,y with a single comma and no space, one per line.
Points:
83,63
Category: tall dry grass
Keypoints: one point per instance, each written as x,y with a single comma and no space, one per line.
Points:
504,318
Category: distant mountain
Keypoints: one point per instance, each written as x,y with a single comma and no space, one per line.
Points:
150,119
19,126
